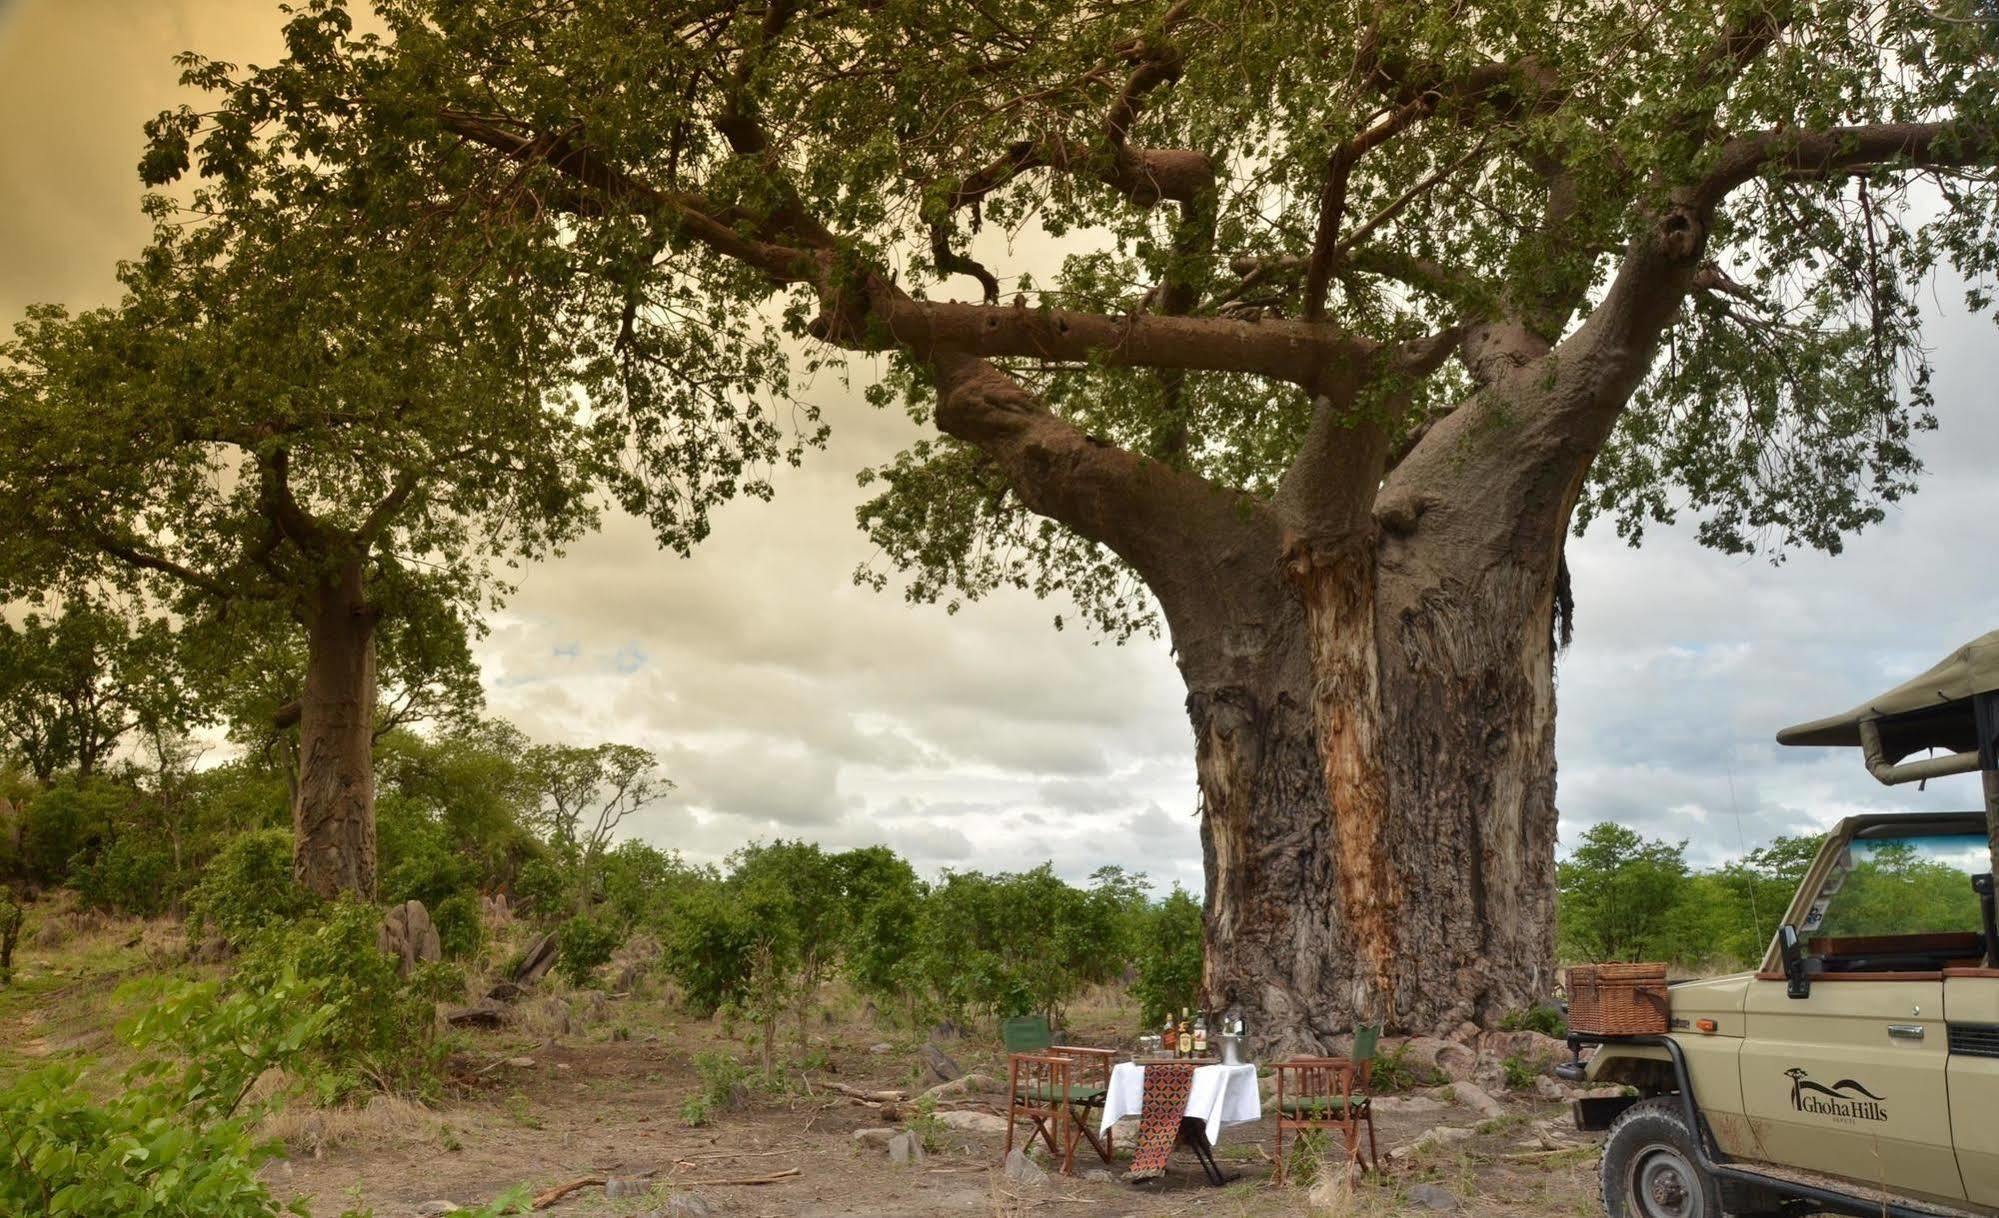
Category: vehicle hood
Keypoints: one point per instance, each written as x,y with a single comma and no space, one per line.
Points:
1718,998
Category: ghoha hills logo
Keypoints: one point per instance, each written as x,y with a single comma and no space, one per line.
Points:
1845,1098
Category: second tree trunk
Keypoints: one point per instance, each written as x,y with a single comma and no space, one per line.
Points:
333,815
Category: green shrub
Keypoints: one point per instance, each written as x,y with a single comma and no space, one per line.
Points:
542,890
461,925
130,876
379,1030
12,916
582,946
1546,1020
64,825
636,881
418,858
707,948
723,1078
247,887
175,1139
1169,959
1520,1072
1394,1071
1000,945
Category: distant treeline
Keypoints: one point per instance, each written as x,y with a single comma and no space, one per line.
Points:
1627,897
477,810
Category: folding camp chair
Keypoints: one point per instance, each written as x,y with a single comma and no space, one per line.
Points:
1330,1093
1054,1087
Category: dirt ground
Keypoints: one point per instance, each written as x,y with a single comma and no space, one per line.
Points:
605,1100
588,1084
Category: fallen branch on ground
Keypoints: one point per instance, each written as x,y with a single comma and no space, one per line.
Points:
872,1097
560,1191
786,1174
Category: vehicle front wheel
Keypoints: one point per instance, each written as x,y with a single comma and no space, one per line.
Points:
1651,1168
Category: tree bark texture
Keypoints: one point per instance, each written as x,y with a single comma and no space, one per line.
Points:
1379,804
333,811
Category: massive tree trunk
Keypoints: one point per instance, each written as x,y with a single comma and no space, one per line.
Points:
1379,808
333,812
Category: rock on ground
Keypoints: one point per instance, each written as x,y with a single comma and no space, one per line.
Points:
435,1209
876,1138
1475,1098
536,961
972,1122
1430,1197
408,934
1408,1105
1022,1170
905,1149
618,1187
1442,1135
940,1065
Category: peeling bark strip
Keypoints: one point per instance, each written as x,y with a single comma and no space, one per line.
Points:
1338,594
333,814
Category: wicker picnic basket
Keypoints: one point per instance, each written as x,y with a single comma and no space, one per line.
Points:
1618,999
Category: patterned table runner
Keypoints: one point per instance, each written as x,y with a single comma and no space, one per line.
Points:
1166,1087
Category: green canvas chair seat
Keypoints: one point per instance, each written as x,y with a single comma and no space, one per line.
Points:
1079,1093
1324,1105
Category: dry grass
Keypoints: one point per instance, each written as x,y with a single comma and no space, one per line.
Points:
384,1120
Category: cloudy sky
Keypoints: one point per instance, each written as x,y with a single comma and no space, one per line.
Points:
784,700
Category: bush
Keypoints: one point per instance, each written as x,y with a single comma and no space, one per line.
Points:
247,887
582,946
417,857
1001,945
380,1027
1548,1021
461,925
1519,1071
542,890
724,1081
130,876
64,825
1394,1071
174,1140
636,881
1169,959
707,948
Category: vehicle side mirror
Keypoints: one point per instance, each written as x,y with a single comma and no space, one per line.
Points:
1797,983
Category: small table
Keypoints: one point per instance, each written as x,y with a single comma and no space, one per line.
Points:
1220,1096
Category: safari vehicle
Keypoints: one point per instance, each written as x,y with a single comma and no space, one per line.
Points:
1857,1070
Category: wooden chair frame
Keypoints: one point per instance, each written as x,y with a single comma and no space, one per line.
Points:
1306,1079
1041,1087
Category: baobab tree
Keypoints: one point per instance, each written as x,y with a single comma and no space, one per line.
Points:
1324,323
332,404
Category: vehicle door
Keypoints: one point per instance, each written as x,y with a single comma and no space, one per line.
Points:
1853,1079
1971,1006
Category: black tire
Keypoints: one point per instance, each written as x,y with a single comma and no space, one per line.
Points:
1651,1167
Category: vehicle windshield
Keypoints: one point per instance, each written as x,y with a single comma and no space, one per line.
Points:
1901,903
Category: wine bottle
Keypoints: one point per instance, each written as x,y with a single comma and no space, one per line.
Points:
1200,1036
1169,1039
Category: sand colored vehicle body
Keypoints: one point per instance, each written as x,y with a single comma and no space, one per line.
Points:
1856,1071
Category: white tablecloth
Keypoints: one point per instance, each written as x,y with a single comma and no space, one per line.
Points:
1221,1095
